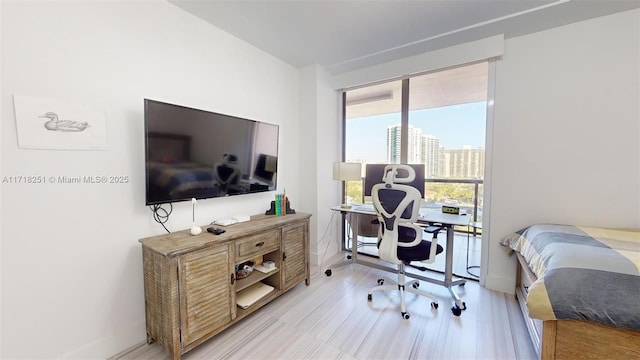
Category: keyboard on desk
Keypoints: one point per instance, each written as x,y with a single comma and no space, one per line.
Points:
364,207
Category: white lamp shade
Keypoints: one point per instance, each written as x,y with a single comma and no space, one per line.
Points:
345,171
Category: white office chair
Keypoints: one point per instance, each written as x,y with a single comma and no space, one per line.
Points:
398,206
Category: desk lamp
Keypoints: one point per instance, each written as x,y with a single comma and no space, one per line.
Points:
346,171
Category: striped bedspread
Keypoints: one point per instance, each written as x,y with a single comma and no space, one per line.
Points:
583,273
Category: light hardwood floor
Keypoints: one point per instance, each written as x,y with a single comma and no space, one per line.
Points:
332,319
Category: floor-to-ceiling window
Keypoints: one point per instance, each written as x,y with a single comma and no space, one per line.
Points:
371,111
437,119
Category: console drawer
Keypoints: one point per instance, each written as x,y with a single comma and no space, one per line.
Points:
258,244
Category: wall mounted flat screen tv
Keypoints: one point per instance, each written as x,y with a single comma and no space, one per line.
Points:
191,153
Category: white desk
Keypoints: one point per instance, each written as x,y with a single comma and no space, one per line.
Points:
448,221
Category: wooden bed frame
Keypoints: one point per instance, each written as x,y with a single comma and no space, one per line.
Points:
574,339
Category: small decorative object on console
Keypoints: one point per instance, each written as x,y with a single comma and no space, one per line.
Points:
195,230
280,208
266,267
225,222
215,231
242,218
243,270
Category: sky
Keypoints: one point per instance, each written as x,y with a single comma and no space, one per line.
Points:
455,126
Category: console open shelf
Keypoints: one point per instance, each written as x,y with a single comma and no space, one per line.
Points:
255,277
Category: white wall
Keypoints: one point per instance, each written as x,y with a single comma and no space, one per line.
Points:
320,146
566,141
71,262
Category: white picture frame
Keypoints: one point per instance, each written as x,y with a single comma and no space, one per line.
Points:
59,125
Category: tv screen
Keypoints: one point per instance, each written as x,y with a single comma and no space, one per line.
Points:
191,153
374,173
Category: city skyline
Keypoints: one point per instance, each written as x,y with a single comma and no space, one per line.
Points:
455,126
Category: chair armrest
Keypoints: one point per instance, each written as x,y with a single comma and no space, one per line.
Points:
418,238
433,229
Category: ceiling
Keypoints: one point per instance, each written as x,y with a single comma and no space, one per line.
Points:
459,85
342,36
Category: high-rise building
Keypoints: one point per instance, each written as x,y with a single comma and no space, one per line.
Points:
431,151
393,144
464,163
415,155
415,145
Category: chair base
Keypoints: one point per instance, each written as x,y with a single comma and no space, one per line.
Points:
403,287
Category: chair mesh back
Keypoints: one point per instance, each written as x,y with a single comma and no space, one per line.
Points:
391,198
398,209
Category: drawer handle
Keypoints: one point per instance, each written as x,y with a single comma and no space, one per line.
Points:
260,244
233,279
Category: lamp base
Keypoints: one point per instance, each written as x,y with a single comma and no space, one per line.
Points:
196,230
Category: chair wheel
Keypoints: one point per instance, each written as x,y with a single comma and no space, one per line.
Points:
416,285
369,297
405,316
328,272
434,305
456,310
464,306
348,257
380,281
462,285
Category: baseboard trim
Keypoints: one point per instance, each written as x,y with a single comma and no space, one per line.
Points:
129,350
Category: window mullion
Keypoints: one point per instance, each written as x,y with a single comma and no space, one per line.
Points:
404,123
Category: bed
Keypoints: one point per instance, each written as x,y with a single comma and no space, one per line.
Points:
172,175
579,287
180,180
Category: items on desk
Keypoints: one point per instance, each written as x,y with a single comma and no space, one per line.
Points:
450,209
364,207
347,171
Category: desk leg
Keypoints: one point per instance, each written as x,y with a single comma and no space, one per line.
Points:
448,274
353,220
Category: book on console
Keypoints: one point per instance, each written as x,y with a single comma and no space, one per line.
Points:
249,296
264,269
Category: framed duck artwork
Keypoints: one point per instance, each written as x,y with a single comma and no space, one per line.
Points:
58,125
